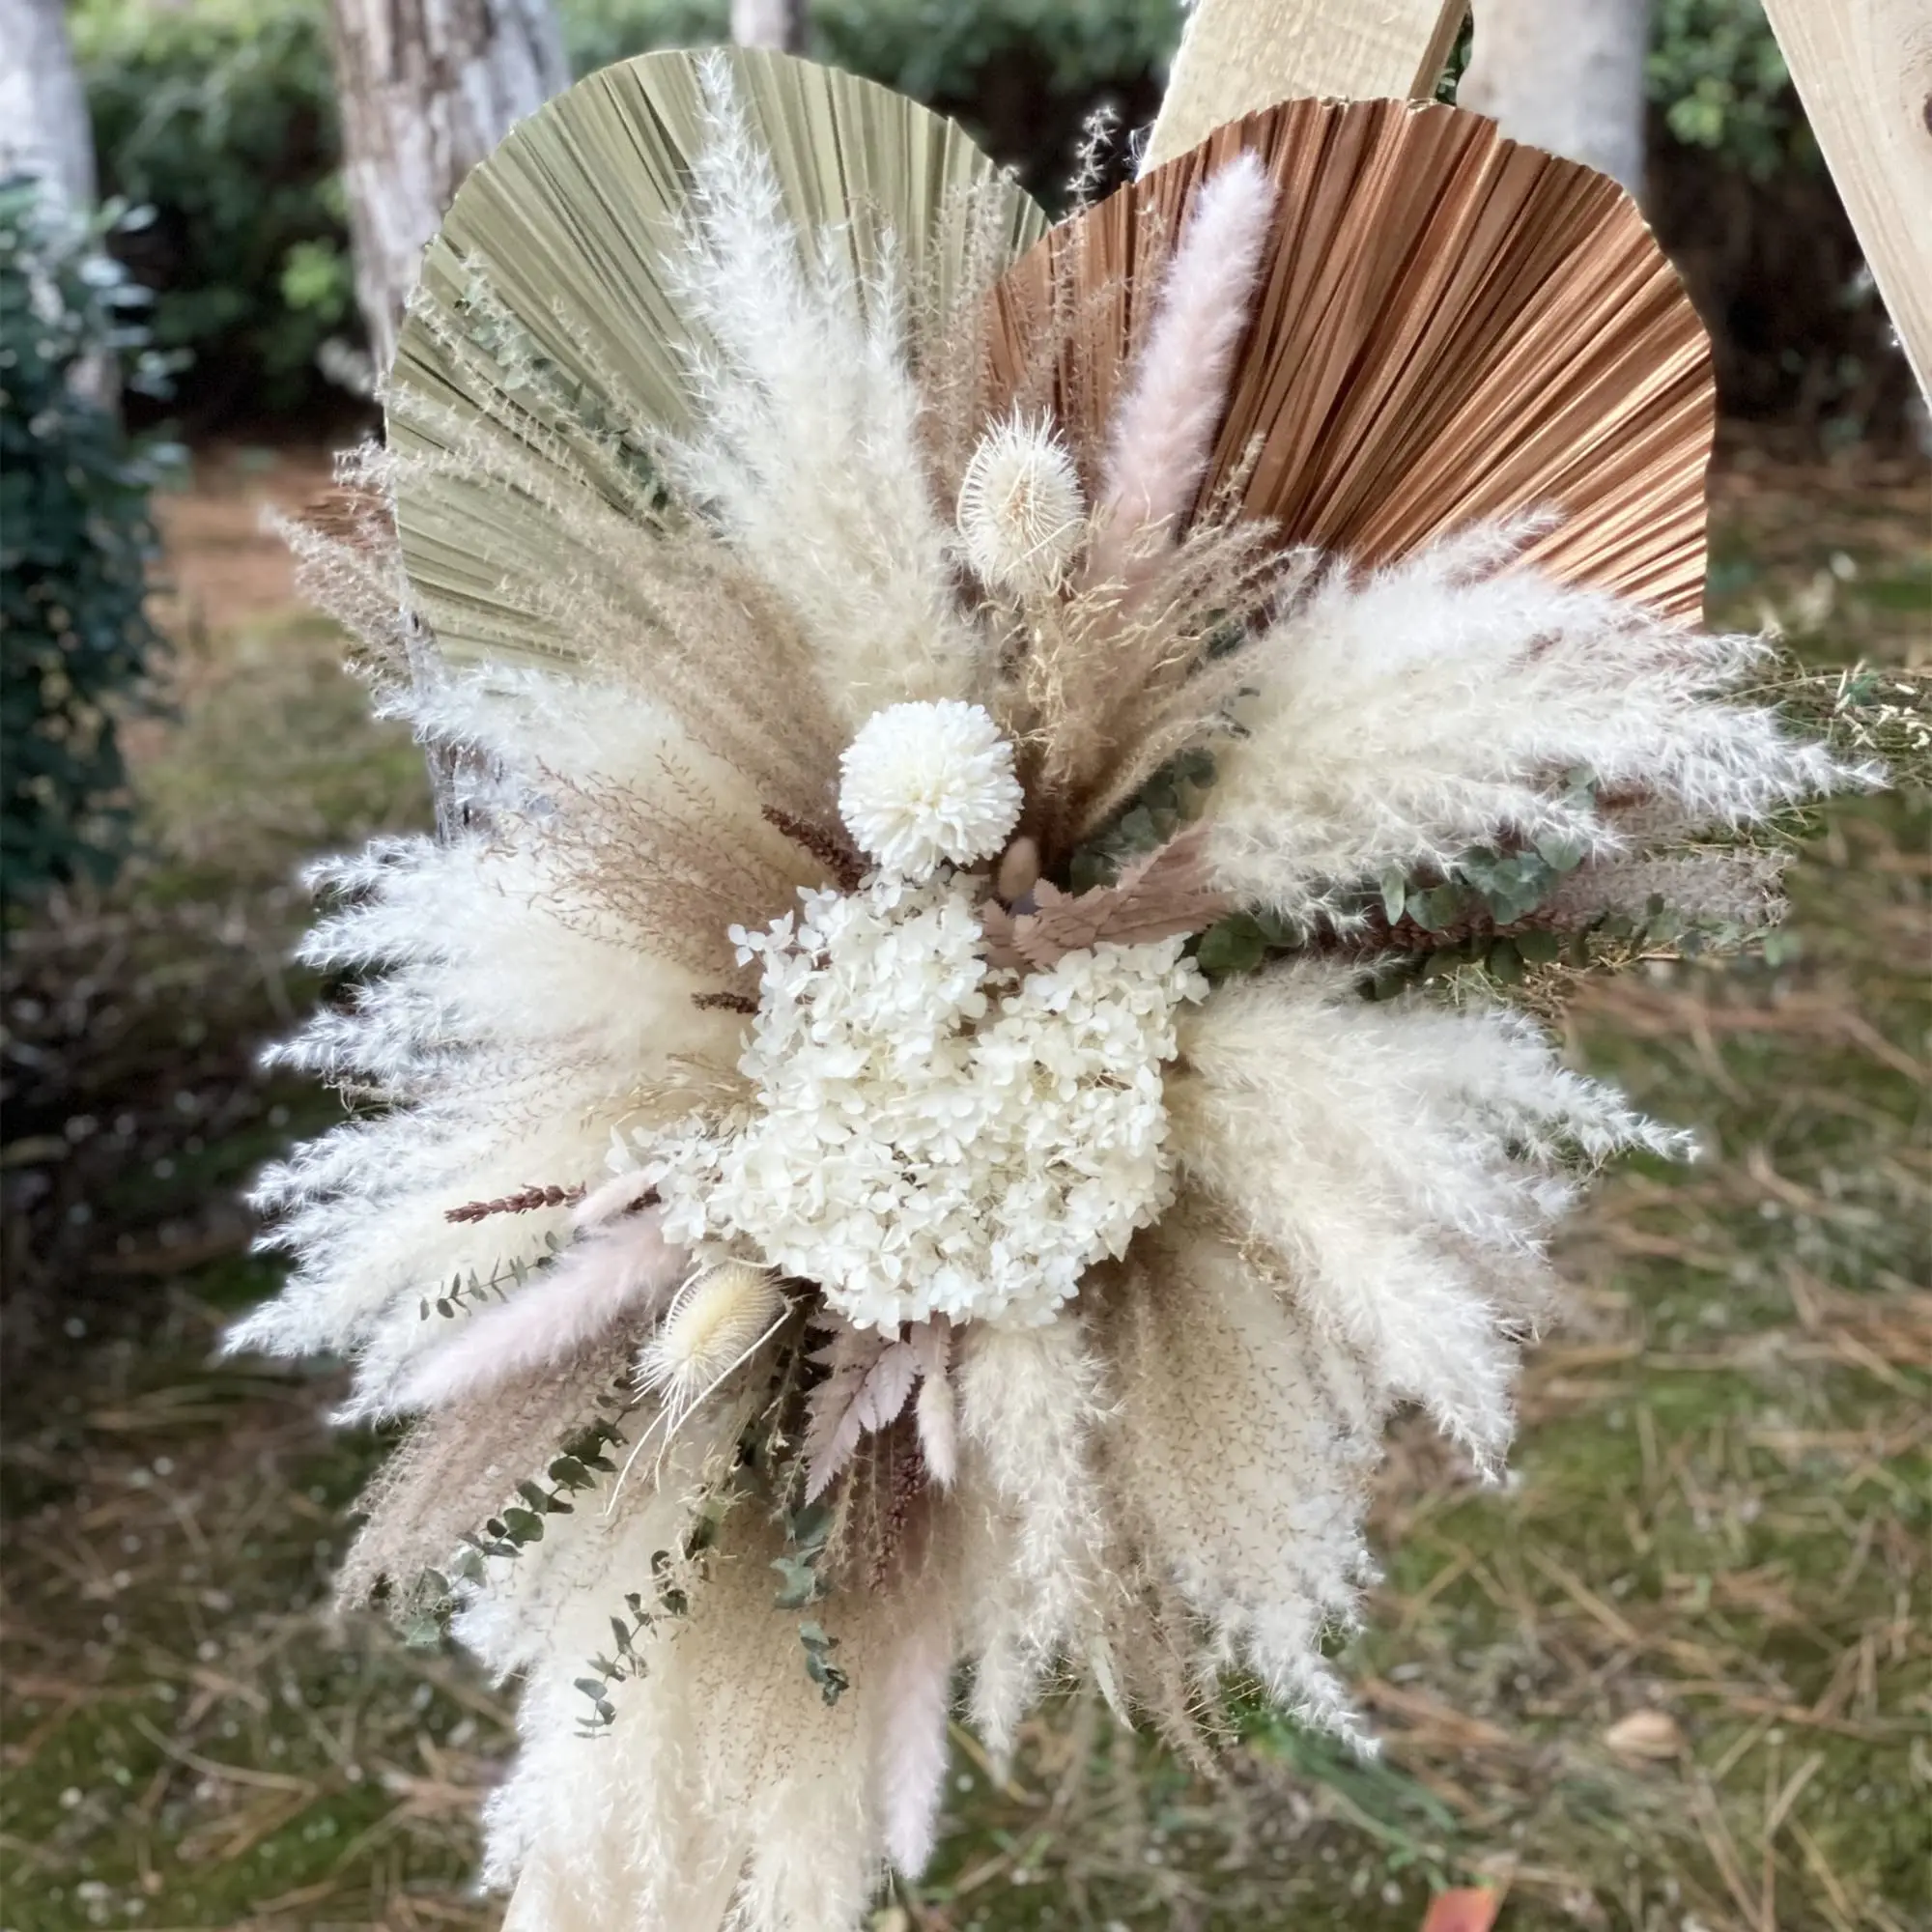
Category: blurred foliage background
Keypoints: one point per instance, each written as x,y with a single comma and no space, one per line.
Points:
218,115
76,540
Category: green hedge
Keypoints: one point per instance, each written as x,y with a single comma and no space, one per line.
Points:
75,542
219,114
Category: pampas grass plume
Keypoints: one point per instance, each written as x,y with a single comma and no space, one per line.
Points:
621,1267
911,1765
1163,432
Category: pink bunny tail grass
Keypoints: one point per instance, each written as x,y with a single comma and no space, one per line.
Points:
1163,430
915,1700
624,1265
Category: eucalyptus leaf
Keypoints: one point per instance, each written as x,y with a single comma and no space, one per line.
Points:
1560,854
523,1526
1438,908
1235,944
798,1584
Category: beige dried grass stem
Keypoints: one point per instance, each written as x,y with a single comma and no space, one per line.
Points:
456,1467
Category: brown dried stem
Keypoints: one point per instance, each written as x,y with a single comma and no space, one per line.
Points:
524,1201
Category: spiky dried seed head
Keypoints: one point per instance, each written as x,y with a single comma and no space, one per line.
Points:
713,1320
1021,512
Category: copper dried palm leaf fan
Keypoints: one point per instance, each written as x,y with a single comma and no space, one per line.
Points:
1448,328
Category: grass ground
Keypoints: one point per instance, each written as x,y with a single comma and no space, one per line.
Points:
1677,1677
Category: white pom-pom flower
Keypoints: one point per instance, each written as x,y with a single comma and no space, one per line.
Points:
1020,511
927,783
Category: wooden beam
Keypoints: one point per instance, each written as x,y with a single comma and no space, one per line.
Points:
1864,70
1241,55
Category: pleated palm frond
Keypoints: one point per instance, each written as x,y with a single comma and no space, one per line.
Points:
546,307
1448,328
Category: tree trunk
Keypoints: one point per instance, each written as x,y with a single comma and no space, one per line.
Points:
770,24
43,124
1566,75
427,88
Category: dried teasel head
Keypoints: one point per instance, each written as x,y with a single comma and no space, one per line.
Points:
1021,513
714,1322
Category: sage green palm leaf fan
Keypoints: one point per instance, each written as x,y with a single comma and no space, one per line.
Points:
545,354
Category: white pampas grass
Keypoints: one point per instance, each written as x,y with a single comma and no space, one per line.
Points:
1029,1399
1726,888
915,1696
1021,513
618,1270
489,1084
1449,701
935,1410
807,454
1404,1161
1238,1453
1163,431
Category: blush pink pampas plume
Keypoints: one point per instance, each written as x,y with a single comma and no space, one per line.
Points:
1164,428
911,1763
622,1266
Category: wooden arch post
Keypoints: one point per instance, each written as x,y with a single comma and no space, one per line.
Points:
1241,55
1864,70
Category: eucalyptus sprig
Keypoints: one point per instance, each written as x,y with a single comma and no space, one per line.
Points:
470,1290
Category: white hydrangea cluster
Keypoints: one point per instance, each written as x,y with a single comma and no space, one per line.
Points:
931,1136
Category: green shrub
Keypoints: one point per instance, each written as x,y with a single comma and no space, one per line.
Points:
1719,77
221,116
1021,74
75,542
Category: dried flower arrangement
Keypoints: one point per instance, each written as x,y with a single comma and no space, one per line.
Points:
975,1038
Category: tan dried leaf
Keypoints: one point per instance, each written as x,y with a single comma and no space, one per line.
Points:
1645,1734
872,1376
1002,946
1158,897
